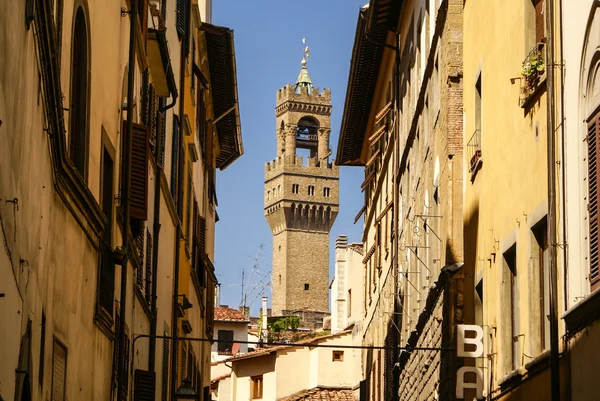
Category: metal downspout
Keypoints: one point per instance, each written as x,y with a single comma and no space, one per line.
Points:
551,128
125,194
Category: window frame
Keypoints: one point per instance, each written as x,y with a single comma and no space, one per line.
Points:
256,387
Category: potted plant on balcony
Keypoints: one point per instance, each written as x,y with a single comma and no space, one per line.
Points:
533,69
120,254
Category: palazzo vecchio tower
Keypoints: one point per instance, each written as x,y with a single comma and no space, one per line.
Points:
301,197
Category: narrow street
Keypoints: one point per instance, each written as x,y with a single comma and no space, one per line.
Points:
341,200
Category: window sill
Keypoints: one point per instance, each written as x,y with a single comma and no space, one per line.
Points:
528,99
511,380
583,313
538,363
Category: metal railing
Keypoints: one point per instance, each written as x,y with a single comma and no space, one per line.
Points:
474,151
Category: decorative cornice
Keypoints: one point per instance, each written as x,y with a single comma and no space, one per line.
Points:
319,109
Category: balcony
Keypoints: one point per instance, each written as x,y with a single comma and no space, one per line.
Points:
533,74
474,153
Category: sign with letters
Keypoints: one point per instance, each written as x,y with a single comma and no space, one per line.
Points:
472,336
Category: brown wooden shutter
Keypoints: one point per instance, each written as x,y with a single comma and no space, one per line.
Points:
202,234
210,307
180,17
592,139
144,384
165,369
174,158
184,354
180,175
153,118
148,282
195,253
161,131
116,353
144,98
143,15
59,372
138,202
539,21
125,384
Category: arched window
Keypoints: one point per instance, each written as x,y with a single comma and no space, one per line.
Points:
307,128
78,109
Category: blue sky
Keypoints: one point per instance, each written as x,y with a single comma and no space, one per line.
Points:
268,45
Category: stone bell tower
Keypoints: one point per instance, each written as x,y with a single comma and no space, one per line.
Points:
301,197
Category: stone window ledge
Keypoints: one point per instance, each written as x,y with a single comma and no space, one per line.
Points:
511,380
582,313
538,363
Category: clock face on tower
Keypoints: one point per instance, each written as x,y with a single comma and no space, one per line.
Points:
301,197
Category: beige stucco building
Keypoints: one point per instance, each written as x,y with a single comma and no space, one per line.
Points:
66,93
279,372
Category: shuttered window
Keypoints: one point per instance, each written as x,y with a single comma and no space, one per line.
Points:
225,338
181,17
180,175
106,285
210,303
125,361
59,371
143,16
184,360
144,385
165,369
175,158
138,202
593,151
148,283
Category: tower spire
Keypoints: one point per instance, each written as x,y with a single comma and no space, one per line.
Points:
303,78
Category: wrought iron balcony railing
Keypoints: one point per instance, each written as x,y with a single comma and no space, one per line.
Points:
474,151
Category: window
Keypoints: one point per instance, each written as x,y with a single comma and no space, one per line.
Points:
59,371
541,282
311,190
295,188
510,307
326,192
78,137
165,368
257,387
225,338
593,149
106,283
268,195
181,17
337,356
175,158
306,287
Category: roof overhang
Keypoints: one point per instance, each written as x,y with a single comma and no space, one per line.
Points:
159,62
223,84
374,23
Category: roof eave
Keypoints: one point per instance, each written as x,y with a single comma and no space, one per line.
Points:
224,93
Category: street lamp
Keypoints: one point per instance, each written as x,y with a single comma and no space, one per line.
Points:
186,392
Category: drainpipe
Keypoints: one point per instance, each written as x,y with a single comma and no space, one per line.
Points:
554,361
264,319
125,193
179,228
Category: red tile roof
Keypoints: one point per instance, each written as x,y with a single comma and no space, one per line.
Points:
224,313
322,394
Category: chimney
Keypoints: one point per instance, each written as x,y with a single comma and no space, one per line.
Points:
218,295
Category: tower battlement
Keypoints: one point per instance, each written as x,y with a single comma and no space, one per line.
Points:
296,165
315,95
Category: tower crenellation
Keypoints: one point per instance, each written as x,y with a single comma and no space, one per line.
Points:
301,197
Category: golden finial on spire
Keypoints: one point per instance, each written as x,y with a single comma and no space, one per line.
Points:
306,53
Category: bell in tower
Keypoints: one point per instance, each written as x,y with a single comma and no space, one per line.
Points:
301,197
